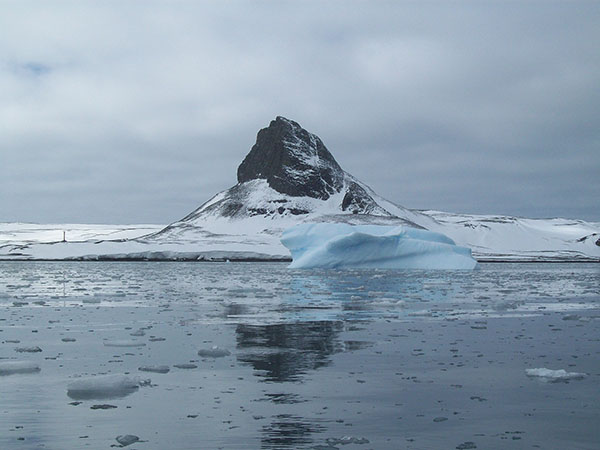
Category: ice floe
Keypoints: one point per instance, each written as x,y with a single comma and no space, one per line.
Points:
127,439
33,349
124,343
15,367
103,386
155,369
554,376
213,352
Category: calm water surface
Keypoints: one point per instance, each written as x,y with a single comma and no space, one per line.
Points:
355,359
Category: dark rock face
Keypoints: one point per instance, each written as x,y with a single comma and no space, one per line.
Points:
358,201
293,161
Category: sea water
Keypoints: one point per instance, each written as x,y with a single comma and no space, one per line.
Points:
254,355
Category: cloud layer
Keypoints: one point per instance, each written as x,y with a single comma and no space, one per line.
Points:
140,111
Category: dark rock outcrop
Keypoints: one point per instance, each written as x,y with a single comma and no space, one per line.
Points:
358,201
293,161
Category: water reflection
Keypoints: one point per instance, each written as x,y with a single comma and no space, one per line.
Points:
289,431
285,351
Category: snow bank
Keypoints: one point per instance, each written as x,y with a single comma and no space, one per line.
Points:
339,245
14,367
102,386
554,376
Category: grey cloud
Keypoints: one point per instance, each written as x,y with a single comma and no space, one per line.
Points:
139,112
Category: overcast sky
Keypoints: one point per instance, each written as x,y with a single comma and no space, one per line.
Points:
138,112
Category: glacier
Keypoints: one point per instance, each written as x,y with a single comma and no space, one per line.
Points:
339,245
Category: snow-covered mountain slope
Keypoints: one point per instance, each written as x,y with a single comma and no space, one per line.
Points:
505,238
23,233
290,177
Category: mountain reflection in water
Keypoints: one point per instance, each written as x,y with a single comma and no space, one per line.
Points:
285,351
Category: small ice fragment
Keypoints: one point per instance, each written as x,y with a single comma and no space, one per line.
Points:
185,366
139,332
102,386
124,343
554,376
91,300
103,406
214,352
155,369
34,349
345,440
127,439
68,339
14,367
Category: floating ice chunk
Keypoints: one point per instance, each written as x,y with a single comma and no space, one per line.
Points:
14,367
155,369
127,439
214,352
554,376
330,245
185,366
345,440
103,386
124,343
34,349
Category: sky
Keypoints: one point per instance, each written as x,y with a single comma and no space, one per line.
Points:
139,111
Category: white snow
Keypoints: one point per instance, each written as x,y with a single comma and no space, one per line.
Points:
329,245
554,375
206,234
21,233
103,386
517,239
14,367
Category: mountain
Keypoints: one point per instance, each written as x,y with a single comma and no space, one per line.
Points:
289,177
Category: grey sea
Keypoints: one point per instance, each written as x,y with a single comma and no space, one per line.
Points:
181,355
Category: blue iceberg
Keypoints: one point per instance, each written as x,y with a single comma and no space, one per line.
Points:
340,245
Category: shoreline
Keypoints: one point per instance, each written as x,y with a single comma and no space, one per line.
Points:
270,260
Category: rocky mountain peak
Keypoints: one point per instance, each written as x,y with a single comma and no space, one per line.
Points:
293,161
